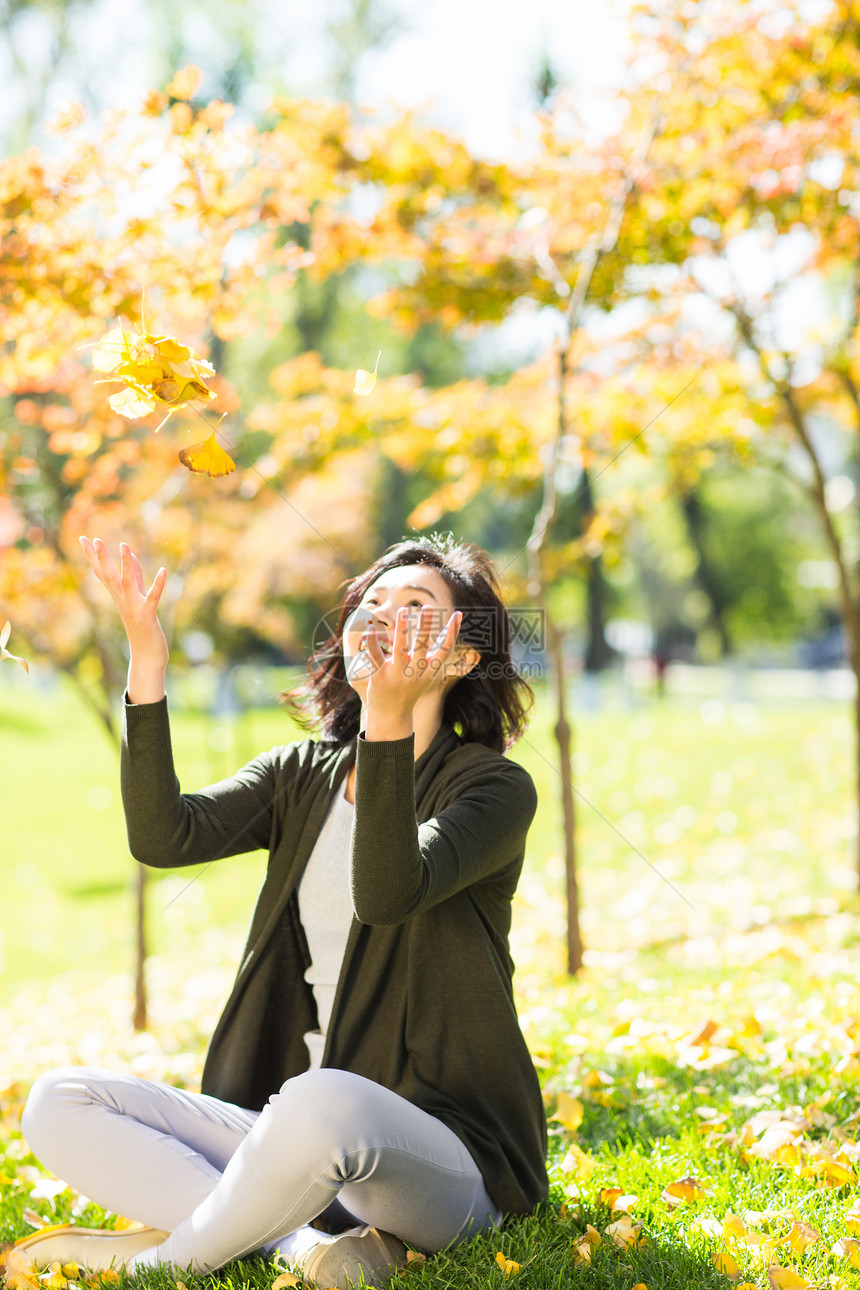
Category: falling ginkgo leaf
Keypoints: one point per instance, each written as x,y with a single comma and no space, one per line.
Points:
153,370
207,458
508,1266
4,652
365,382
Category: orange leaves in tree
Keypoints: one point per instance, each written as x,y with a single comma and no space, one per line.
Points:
4,653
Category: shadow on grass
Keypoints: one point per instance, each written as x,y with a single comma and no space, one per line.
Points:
541,1245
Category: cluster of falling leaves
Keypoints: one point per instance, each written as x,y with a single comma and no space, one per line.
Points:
5,653
161,372
768,1239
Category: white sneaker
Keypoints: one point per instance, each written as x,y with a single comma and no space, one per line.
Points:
362,1252
95,1248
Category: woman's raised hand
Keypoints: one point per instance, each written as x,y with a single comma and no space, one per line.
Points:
138,611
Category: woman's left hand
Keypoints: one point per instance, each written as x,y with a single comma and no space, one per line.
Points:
400,678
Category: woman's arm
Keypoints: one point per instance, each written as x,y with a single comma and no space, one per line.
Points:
400,867
167,828
138,611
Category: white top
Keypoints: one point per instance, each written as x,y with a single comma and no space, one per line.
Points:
325,910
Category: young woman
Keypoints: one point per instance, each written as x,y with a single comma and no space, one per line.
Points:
368,1073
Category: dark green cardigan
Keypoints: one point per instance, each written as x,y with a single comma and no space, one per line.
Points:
424,1004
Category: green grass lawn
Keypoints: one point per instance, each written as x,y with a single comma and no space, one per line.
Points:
717,876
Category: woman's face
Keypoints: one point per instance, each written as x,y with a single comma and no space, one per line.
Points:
411,587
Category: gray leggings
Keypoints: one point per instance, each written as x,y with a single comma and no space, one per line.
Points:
225,1181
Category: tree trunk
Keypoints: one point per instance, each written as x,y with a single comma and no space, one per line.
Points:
564,739
705,574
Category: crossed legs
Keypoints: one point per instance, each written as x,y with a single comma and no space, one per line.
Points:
226,1181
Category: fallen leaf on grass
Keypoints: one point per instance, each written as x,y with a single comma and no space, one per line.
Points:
616,1200
847,1247
583,1247
684,1191
568,1112
578,1164
786,1279
625,1232
726,1263
852,1219
703,1035
801,1237
508,1266
830,1172
414,1256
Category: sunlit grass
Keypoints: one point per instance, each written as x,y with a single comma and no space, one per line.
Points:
688,1019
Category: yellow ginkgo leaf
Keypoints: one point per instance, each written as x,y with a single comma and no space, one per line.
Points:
625,1232
365,382
285,1279
5,653
508,1266
830,1172
848,1247
568,1112
207,458
786,1279
131,403
52,1278
725,1263
684,1191
577,1163
801,1237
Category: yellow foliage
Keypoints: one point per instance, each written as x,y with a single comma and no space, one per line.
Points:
508,1266
568,1112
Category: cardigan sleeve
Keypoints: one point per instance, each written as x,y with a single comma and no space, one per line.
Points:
400,867
167,828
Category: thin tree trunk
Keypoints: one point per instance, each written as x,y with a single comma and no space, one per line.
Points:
564,738
598,655
691,508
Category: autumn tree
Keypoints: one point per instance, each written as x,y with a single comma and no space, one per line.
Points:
753,242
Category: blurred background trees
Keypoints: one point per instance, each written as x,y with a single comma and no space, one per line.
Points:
634,348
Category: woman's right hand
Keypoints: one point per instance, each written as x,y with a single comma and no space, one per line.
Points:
138,611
